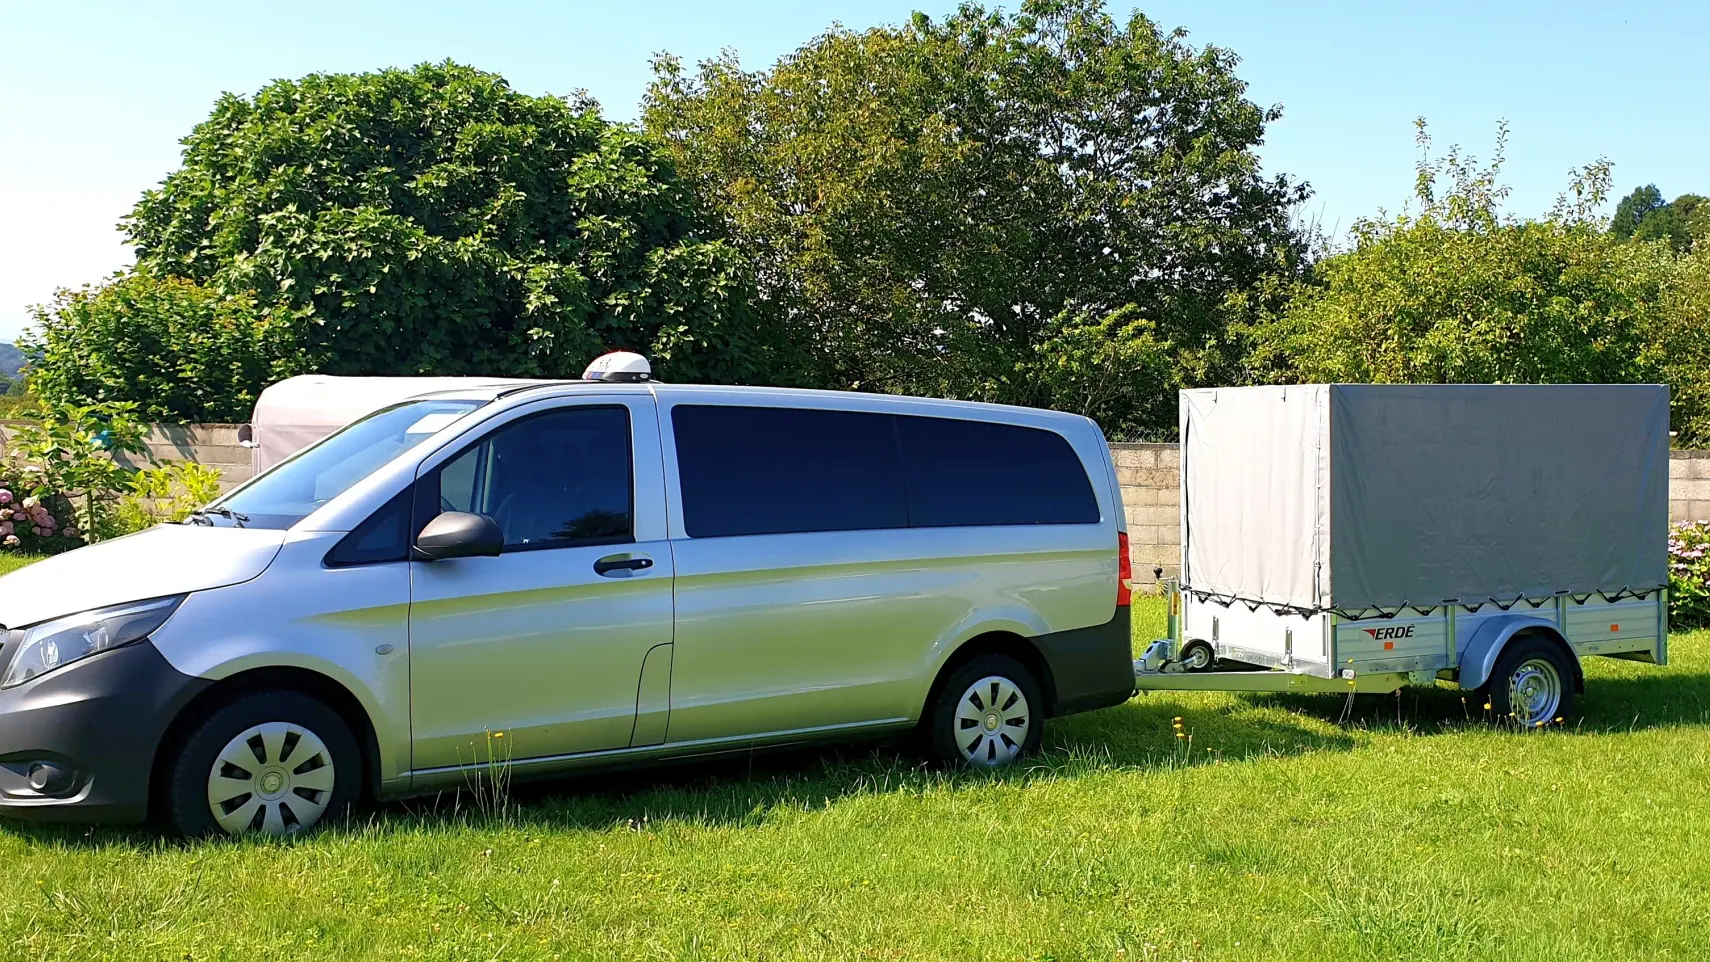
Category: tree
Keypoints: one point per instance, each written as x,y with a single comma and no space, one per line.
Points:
173,348
927,206
1459,292
1633,210
1643,216
1680,348
433,220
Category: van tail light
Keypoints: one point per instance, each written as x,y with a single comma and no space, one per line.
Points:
1124,571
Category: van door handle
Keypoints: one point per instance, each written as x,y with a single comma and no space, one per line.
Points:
620,565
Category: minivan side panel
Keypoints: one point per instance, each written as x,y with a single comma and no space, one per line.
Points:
815,630
535,652
791,631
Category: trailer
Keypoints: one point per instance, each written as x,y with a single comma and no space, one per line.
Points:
1339,538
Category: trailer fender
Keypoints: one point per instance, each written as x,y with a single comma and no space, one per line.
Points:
1479,656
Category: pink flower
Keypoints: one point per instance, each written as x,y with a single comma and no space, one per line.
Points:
68,531
5,496
42,532
6,528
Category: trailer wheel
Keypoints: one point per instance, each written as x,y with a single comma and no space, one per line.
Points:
1197,655
1532,683
987,714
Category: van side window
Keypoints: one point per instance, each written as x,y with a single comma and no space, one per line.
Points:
963,473
755,470
557,479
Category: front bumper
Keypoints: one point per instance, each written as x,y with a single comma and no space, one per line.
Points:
91,730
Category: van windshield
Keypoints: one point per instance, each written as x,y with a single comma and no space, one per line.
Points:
315,475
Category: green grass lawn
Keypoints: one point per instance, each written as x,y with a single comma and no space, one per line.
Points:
1406,832
12,562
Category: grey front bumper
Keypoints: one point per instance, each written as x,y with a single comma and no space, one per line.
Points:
99,723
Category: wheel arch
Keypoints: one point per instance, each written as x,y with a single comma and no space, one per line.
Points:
998,642
316,685
1489,640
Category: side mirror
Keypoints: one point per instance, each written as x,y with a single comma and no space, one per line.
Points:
459,534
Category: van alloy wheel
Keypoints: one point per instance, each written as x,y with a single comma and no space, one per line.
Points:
275,778
992,722
1534,691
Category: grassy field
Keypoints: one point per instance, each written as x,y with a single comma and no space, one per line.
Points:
12,562
1408,831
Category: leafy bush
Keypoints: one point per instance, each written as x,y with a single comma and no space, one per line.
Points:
1689,574
165,492
35,523
1456,291
71,451
175,349
1680,348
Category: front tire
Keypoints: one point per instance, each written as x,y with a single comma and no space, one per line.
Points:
987,714
1532,683
270,763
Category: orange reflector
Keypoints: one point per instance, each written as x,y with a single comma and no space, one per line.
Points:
1614,627
1389,646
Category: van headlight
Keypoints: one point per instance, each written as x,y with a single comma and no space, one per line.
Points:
53,644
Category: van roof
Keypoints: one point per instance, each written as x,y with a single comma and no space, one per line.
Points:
666,391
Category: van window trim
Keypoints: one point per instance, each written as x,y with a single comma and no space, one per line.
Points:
426,493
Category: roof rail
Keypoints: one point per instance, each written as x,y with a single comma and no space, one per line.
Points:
507,392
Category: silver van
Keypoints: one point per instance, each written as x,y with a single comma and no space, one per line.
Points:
554,576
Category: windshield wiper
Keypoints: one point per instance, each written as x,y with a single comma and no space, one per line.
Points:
201,516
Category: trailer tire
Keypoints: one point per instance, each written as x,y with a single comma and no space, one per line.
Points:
1532,683
1198,655
988,713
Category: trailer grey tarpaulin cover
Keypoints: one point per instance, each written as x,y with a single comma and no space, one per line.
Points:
1351,497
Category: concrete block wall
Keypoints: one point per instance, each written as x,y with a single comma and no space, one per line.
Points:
1689,486
1150,476
215,445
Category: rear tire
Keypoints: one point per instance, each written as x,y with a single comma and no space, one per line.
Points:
988,713
271,763
1532,683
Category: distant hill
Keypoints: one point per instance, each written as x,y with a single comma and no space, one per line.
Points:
11,359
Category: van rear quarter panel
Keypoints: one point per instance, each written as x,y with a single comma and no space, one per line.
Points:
790,631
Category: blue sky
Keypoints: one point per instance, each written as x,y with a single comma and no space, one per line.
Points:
96,95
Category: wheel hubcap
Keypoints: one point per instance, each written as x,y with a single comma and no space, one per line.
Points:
275,778
1534,691
992,722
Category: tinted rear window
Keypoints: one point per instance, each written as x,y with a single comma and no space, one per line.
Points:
754,470
976,473
751,470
